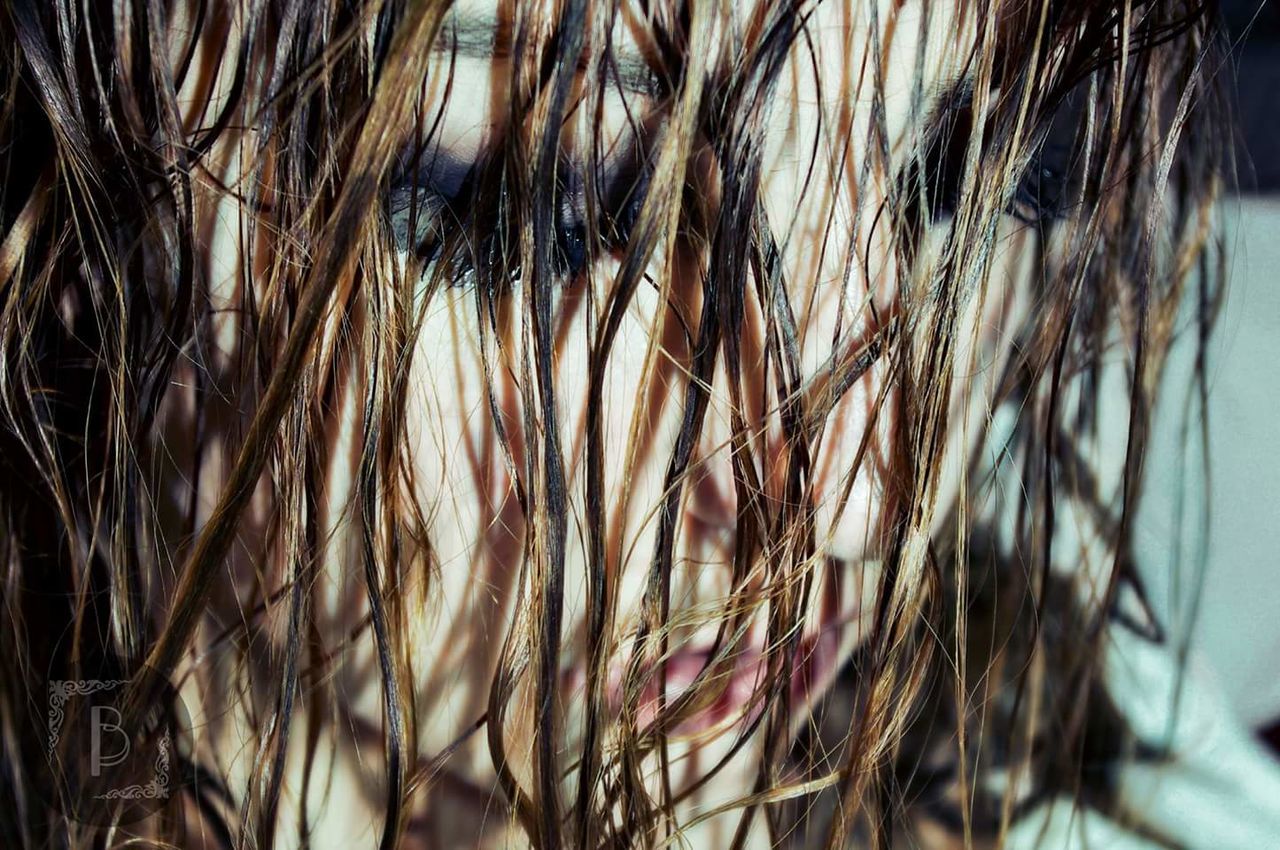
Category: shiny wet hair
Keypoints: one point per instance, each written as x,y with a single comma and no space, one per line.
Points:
132,388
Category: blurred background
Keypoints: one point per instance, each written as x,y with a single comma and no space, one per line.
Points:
1235,604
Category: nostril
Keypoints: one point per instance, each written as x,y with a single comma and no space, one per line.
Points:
711,504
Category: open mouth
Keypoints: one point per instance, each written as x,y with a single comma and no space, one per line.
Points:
703,688
732,690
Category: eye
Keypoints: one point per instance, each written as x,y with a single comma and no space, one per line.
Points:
425,202
620,188
441,208
1044,190
1051,183
416,216
1042,193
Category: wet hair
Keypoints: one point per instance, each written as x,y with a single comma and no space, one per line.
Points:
174,432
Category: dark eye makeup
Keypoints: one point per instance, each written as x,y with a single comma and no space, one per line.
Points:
440,207
1044,191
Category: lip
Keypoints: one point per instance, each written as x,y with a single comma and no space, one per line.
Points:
816,664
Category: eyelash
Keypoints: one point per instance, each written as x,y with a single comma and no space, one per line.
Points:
448,193
1039,198
445,192
1043,191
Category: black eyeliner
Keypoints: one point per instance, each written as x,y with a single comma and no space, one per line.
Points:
435,195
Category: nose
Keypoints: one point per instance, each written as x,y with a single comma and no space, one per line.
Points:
711,503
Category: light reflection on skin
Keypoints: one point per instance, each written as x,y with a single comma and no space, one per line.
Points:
476,526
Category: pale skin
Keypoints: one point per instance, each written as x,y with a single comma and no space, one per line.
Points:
465,490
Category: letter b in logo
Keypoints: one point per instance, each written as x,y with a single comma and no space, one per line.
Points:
99,727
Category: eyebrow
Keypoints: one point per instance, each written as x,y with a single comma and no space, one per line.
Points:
469,34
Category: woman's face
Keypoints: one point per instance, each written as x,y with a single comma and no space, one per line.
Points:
822,186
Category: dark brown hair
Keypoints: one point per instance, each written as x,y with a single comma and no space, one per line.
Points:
132,387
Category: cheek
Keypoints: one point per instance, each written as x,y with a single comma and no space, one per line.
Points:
463,480
462,485
851,468
460,476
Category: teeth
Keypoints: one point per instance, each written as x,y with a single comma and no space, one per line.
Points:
682,670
